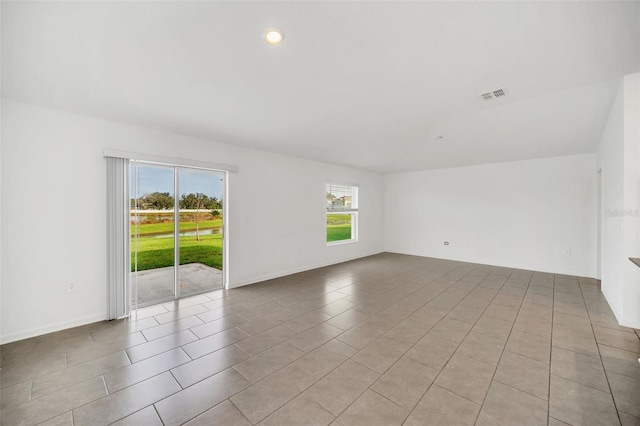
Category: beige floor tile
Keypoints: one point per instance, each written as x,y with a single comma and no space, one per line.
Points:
14,395
324,359
626,393
628,420
371,408
174,327
524,373
17,373
336,391
299,411
466,377
530,346
314,337
577,404
214,342
145,417
145,369
201,368
217,325
120,404
78,373
267,339
163,344
405,382
260,400
268,362
54,404
578,368
308,320
408,331
223,414
195,400
451,329
576,342
177,314
494,327
381,354
65,419
348,319
440,407
482,348
432,351
506,406
620,361
616,338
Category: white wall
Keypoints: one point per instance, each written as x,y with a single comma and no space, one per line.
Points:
619,158
521,214
54,213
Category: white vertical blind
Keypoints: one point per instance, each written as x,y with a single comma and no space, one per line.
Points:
119,262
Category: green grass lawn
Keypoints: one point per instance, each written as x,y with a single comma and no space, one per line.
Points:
338,227
158,252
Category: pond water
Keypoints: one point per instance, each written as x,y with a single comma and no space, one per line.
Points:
190,233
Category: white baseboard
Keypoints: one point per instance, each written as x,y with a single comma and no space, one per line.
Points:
62,325
296,270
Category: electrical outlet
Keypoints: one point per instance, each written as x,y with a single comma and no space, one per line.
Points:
567,252
71,288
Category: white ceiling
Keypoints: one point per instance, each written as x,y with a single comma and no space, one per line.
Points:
362,84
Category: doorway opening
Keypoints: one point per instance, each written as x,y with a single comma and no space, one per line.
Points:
177,232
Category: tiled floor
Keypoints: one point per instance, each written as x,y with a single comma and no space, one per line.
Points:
384,340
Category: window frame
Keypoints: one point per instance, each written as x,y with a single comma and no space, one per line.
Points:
353,211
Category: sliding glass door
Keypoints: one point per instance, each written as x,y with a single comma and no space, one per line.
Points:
176,218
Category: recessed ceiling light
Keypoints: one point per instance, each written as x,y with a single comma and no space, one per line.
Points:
274,36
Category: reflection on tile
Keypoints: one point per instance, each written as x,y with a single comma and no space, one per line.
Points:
163,344
208,365
120,404
197,399
134,373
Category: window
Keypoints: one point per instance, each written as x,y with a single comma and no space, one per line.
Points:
342,214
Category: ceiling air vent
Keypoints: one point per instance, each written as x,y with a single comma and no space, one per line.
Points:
498,93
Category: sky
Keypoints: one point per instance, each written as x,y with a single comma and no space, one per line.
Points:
160,179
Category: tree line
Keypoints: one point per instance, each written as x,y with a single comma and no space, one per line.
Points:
165,201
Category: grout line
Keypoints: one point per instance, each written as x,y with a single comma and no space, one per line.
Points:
615,405
553,313
505,344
